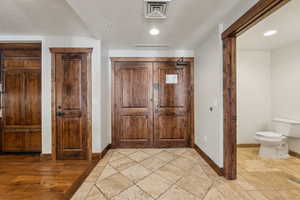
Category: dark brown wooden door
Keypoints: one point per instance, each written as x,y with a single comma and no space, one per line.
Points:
134,117
71,106
21,100
172,105
152,106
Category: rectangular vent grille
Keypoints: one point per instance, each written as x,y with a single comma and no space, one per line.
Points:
152,45
156,9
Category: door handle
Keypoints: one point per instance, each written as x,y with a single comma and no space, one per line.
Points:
60,113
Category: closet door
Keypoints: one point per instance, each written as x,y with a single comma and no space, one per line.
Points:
21,96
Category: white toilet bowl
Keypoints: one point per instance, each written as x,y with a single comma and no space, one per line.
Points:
275,144
272,145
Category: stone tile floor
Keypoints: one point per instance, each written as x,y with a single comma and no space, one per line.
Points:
181,174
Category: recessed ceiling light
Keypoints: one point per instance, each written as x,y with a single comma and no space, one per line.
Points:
154,31
270,33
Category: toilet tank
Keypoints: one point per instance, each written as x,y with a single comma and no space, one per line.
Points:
287,127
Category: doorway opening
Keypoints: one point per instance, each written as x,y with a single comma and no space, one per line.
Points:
261,11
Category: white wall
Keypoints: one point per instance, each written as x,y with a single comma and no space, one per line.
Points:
286,85
105,98
253,94
210,62
48,42
208,93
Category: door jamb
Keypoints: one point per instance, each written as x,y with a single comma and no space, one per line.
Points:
87,51
257,13
151,59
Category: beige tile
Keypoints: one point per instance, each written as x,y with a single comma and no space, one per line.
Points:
176,193
166,156
177,151
107,171
257,195
259,180
136,172
116,156
273,195
133,193
94,175
154,185
113,185
290,194
183,163
197,170
153,163
127,151
139,156
95,194
122,163
214,194
232,190
152,151
170,173
104,161
83,191
192,155
196,185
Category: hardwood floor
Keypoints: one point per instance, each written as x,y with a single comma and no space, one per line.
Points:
26,177
181,174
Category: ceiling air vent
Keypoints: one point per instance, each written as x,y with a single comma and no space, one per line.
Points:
156,9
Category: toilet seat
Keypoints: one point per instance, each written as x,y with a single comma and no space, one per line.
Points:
271,135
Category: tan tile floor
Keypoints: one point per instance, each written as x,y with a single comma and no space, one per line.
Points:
181,174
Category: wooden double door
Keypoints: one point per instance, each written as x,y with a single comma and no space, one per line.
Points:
152,104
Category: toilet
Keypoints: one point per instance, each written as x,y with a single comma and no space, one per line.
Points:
275,144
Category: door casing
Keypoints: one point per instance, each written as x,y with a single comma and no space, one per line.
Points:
257,13
114,60
88,52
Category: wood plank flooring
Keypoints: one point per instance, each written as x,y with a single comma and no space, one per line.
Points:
26,177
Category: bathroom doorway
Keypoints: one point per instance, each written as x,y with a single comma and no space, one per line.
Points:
260,102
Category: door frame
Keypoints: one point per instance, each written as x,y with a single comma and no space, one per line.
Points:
88,52
150,59
257,13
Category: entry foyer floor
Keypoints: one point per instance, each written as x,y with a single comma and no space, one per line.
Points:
181,174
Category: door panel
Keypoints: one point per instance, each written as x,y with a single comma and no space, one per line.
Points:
33,141
134,128
172,127
133,104
71,106
172,112
14,96
14,140
72,137
33,98
170,94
